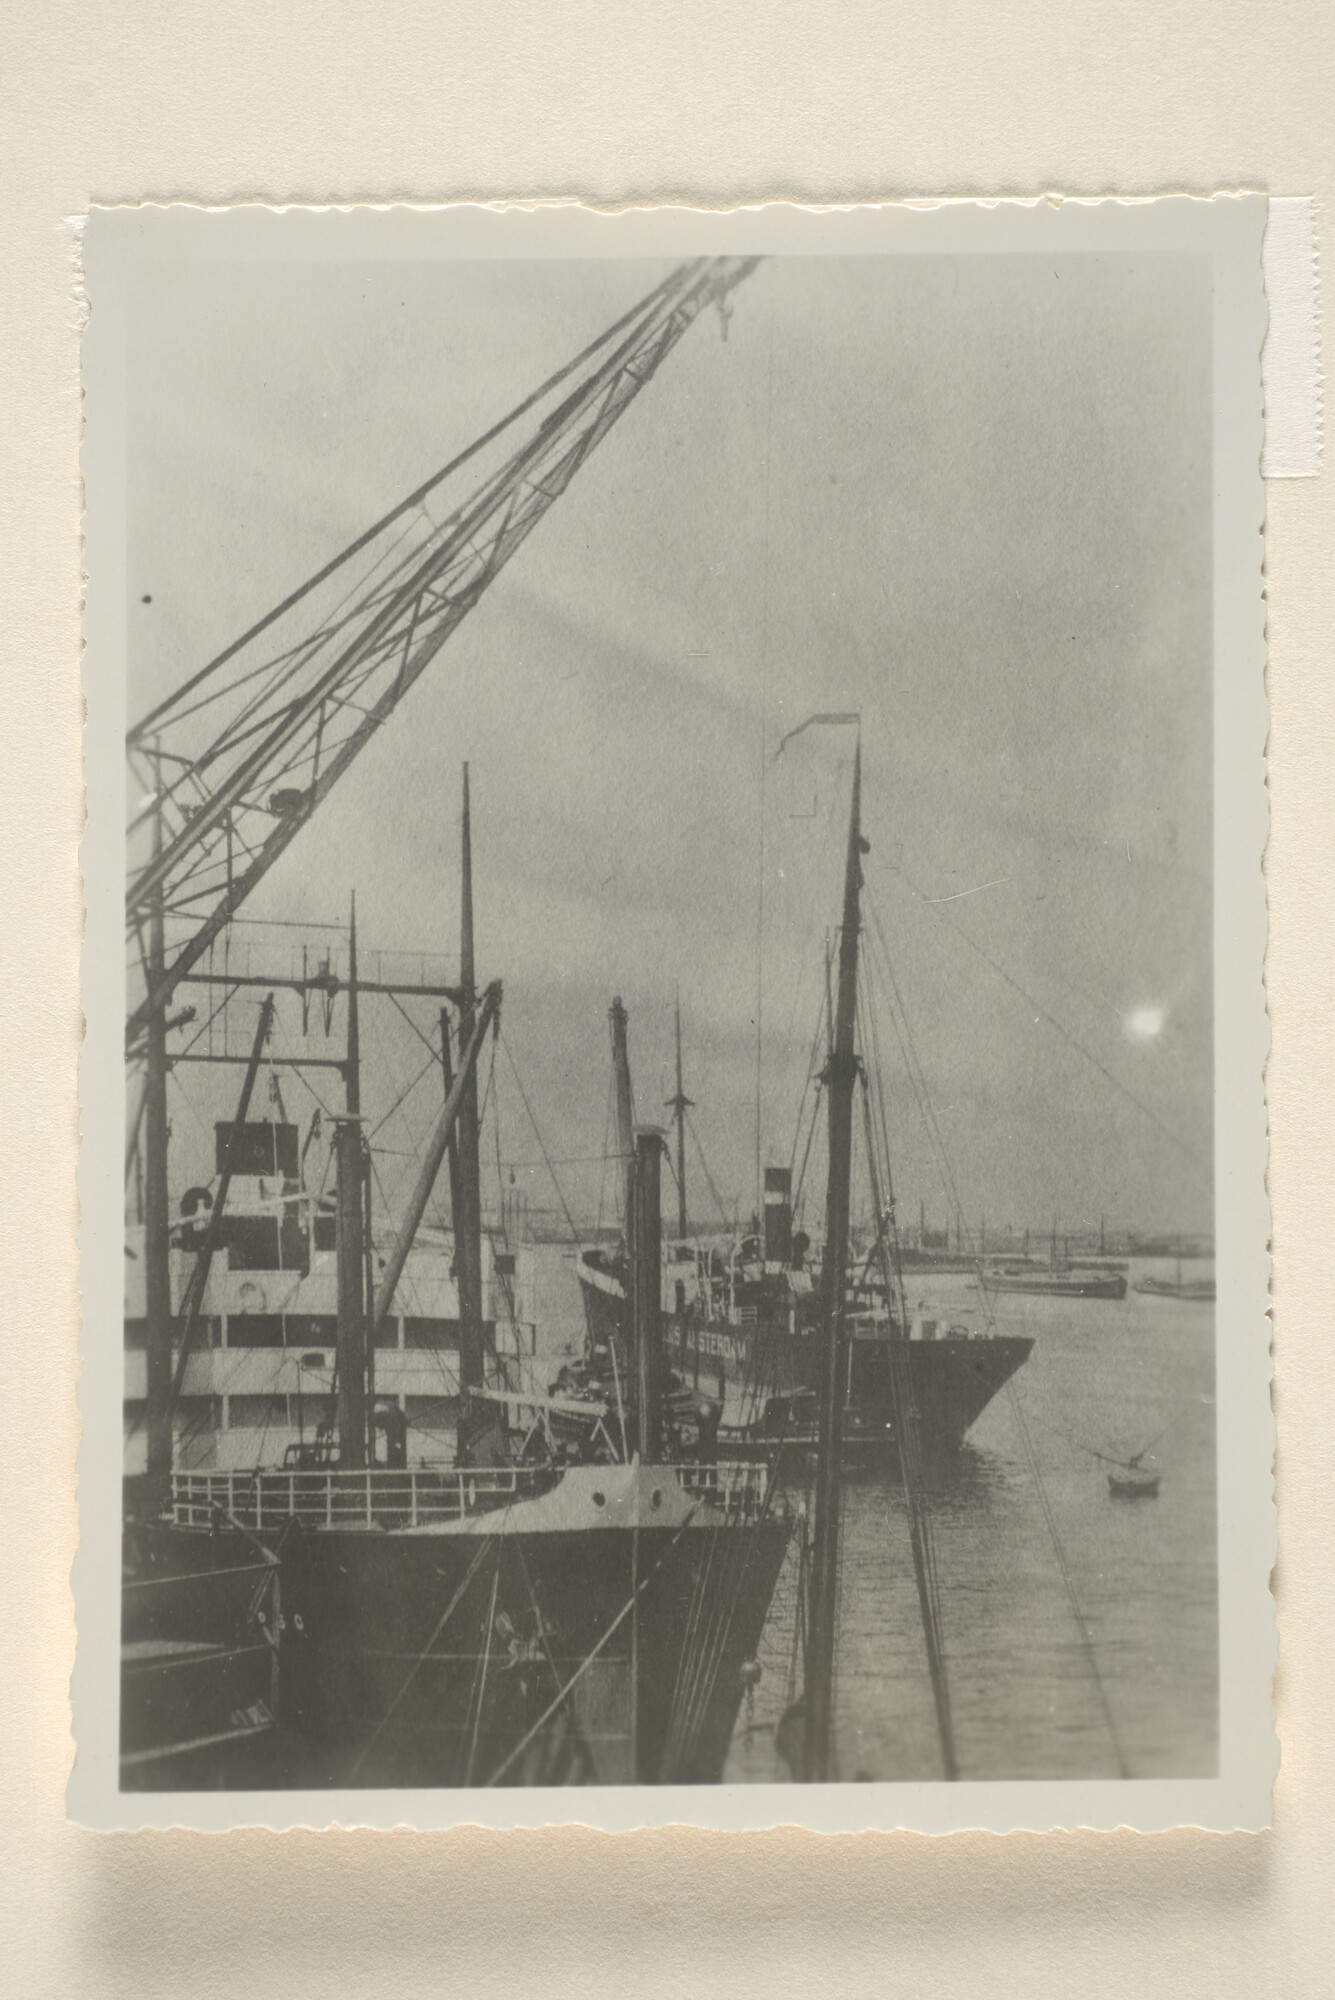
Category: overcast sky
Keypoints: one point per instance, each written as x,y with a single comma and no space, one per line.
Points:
969,496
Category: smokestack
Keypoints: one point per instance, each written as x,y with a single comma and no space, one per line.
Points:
778,1218
646,1293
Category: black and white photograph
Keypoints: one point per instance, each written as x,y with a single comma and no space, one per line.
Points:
674,1215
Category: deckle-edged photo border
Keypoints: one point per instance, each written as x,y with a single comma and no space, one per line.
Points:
1228,230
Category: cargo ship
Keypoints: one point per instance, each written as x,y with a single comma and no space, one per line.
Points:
744,1320
572,1597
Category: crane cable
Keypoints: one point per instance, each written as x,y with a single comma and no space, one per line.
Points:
414,499
1183,1145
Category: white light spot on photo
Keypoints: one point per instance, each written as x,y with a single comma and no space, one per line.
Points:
1144,1024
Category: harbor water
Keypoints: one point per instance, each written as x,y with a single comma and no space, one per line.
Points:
1040,1631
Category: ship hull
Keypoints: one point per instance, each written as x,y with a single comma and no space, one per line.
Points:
374,1672
951,1382
199,1660
1199,1292
765,1371
487,1653
1113,1287
951,1379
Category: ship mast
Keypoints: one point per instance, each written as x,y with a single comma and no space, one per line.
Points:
437,1147
468,1236
353,1415
192,1303
625,1114
157,1256
679,1105
645,1236
452,1155
841,1077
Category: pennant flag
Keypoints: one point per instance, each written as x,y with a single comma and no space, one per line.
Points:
852,716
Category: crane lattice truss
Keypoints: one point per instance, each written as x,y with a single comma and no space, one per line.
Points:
227,770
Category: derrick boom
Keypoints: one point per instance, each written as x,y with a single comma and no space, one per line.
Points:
249,747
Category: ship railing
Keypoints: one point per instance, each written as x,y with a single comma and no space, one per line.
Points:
419,1496
333,1497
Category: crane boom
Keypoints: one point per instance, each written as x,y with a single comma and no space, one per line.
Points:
239,759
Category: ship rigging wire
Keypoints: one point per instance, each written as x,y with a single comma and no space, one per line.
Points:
479,1695
415,499
1081,1623
922,1093
425,1040
542,1144
606,1156
485,1546
308,710
764,701
507,1287
406,1092
900,1021
709,1178
583,1752
563,1694
1073,1041
703,1646
921,1539
1128,1464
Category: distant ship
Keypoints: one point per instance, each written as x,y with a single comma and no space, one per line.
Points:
1196,1291
1075,1282
1060,1280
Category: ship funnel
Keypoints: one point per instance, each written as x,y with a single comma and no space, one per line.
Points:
778,1218
646,1293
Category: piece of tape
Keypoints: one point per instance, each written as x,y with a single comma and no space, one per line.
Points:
1290,376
